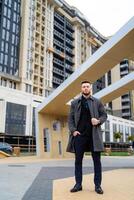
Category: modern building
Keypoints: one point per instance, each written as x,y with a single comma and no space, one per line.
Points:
17,121
59,39
123,106
10,23
117,124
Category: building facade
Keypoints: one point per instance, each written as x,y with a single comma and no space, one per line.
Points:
42,43
123,106
10,23
55,40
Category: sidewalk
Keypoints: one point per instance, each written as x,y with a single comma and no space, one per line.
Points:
117,185
32,178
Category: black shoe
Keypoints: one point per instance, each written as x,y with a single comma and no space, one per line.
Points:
76,188
99,190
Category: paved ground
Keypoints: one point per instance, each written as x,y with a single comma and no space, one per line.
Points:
117,184
30,178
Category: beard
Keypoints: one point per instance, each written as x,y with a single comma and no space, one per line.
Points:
86,93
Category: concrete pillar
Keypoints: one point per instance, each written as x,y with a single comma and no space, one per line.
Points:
3,115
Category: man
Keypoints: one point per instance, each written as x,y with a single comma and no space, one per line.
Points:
86,116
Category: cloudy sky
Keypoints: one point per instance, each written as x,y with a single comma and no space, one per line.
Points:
107,16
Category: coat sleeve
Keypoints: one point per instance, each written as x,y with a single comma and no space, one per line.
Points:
102,113
71,121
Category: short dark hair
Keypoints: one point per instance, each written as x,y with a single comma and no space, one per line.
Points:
85,82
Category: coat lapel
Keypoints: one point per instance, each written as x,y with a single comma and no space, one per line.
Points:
78,110
91,107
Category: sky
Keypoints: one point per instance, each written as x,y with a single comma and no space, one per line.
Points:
107,16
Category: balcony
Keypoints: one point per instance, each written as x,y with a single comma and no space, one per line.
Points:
50,49
38,19
70,35
38,29
58,71
37,40
69,59
35,82
37,50
126,114
68,25
58,52
36,61
36,71
60,18
69,50
125,99
41,73
59,26
57,80
58,43
59,35
57,61
126,107
69,43
70,68
124,65
125,72
41,84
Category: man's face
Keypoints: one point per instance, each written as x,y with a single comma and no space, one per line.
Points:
86,88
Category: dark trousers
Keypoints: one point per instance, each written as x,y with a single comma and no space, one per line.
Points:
81,144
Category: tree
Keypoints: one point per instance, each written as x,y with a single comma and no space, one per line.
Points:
117,135
130,138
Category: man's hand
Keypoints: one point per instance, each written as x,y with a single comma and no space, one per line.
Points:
95,121
76,133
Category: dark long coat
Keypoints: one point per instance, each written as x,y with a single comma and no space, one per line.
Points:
97,110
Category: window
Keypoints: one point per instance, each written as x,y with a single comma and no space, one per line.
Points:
9,13
14,27
6,59
59,147
0,68
33,122
28,88
8,24
107,125
107,136
12,50
9,3
10,84
15,6
13,39
5,10
7,36
114,128
4,82
3,34
2,46
6,47
1,58
56,126
46,140
15,119
14,17
132,130
4,22
12,61
6,2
